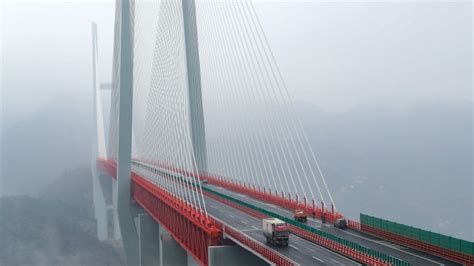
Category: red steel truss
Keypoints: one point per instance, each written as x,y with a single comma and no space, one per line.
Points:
194,231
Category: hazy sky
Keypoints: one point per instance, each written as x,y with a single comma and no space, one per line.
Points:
335,55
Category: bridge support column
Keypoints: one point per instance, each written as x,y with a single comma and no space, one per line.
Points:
100,207
101,215
98,147
115,219
128,231
172,254
148,239
233,256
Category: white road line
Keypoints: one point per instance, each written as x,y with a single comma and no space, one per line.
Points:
232,216
254,227
248,230
316,258
244,222
390,246
313,245
221,211
269,205
294,247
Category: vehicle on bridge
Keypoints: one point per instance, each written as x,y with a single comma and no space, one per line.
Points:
300,215
340,223
276,231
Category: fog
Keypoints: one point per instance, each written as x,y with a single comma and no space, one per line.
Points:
384,90
334,55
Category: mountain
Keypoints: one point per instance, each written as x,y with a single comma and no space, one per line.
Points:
413,165
55,228
43,145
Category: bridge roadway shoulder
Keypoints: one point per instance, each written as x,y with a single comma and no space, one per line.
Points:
413,256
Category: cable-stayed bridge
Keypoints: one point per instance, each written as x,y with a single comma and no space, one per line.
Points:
202,142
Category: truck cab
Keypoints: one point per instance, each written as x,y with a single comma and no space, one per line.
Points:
276,231
300,215
340,223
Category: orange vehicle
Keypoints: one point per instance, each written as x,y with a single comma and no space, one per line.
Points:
300,215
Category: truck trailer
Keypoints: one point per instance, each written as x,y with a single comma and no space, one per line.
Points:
275,231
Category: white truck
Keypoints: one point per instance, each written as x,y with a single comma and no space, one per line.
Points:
275,231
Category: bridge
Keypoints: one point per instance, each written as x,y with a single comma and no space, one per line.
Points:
202,142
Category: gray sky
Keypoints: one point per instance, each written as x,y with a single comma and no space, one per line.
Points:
334,55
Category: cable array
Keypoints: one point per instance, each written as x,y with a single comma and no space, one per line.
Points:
254,134
115,92
161,111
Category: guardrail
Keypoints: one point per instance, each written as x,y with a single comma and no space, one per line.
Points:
281,200
268,254
454,249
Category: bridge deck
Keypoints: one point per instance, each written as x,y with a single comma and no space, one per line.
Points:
299,250
406,254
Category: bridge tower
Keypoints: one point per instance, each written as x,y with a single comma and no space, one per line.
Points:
122,188
125,209
98,147
145,241
196,115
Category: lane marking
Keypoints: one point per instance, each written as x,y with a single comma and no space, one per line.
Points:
316,258
312,245
254,227
269,205
294,247
249,230
244,222
232,216
221,211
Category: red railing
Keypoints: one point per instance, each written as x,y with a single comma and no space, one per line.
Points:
262,194
419,245
269,254
342,249
110,167
277,199
353,225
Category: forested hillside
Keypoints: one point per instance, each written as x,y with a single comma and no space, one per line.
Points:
55,228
